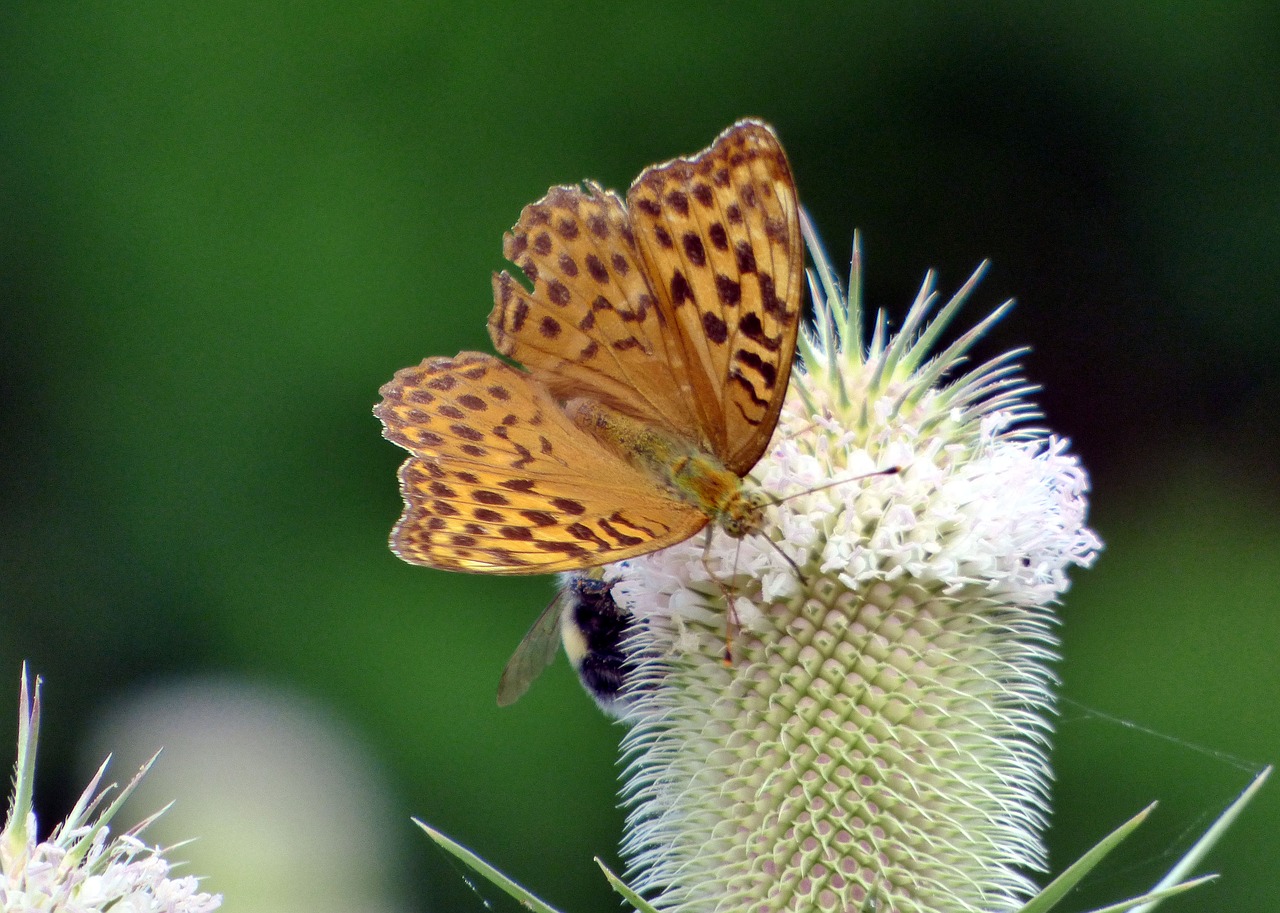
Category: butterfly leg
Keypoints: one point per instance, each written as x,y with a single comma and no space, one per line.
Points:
730,613
802,431
787,558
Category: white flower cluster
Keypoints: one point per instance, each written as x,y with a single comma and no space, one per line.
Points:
81,868
122,875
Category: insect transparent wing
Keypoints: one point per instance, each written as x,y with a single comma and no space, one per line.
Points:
535,652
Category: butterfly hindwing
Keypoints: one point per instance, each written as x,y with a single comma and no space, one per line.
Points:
500,481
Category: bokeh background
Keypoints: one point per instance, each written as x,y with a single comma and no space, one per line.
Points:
224,224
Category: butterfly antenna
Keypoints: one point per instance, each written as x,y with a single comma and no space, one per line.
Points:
891,471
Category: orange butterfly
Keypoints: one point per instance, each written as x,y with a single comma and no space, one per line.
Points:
657,340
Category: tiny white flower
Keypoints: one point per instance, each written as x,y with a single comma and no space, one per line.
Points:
80,867
878,741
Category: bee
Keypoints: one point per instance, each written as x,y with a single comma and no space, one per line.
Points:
592,627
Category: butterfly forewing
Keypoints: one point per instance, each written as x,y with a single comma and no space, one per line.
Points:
500,481
680,308
720,238
590,326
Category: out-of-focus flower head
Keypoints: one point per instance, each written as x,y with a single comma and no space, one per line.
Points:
80,867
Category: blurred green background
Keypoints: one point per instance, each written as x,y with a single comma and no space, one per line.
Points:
224,224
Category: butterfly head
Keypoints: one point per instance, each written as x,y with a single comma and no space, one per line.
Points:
744,515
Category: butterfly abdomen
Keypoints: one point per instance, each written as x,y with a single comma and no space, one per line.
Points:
735,506
692,474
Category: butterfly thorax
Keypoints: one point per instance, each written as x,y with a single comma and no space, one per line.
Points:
686,469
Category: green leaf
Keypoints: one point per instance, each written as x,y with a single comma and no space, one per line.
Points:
15,834
1057,889
1202,846
1168,886
482,868
622,888
1154,897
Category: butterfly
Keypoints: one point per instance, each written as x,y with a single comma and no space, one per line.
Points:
656,337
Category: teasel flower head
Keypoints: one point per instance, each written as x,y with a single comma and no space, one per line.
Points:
80,867
876,737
